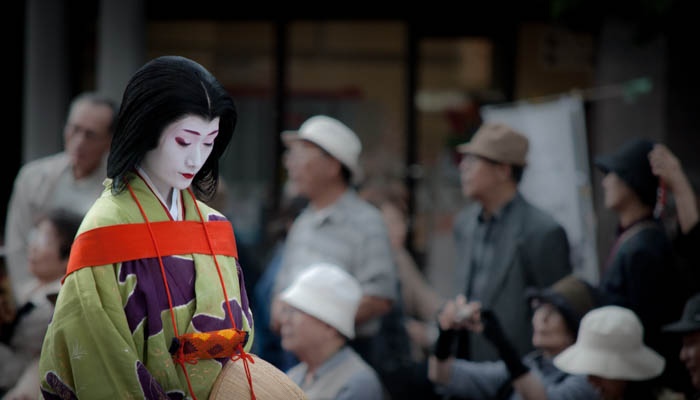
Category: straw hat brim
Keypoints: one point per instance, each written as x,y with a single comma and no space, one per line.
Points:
269,383
640,364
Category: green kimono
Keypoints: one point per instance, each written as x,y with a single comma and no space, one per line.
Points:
112,329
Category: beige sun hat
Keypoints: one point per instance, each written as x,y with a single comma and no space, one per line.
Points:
498,142
269,383
610,345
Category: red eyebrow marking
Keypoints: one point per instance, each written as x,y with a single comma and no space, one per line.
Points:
192,132
213,132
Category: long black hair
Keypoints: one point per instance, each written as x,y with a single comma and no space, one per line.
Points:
161,92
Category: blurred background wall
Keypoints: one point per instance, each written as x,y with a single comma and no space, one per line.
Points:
410,86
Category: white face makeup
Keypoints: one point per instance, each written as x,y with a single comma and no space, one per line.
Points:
183,148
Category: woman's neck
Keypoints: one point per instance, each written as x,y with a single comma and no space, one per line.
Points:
165,192
162,190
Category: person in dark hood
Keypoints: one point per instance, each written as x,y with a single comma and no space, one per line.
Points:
639,272
688,327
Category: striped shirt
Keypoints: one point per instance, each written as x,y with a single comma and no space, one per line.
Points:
351,234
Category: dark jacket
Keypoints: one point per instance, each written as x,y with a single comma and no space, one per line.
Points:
641,276
533,251
687,252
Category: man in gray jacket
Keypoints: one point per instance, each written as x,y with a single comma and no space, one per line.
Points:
504,244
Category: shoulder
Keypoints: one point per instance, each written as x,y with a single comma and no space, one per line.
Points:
467,213
109,209
209,213
296,372
364,379
361,366
360,213
42,167
466,217
649,242
652,231
351,202
535,219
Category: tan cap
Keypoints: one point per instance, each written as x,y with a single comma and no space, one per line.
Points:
498,142
269,383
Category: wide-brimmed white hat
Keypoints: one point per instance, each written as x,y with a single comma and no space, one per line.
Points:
610,345
328,293
332,136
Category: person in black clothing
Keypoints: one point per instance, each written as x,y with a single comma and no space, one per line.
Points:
639,273
668,168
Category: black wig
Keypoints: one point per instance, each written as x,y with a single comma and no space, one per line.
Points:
161,92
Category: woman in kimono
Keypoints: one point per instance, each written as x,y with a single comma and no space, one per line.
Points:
154,303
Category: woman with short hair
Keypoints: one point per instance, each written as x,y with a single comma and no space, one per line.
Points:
557,312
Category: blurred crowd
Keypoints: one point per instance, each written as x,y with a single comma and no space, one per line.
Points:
343,307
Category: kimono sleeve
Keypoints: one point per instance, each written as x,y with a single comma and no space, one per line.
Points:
89,351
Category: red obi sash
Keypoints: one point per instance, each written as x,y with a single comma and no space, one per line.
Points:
126,242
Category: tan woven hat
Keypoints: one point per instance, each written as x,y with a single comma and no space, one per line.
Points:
269,383
498,142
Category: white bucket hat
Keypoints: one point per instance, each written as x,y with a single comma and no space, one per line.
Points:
610,345
327,293
332,136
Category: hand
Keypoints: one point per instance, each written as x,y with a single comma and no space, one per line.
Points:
666,166
458,314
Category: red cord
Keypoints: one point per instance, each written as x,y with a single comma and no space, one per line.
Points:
242,354
660,199
180,359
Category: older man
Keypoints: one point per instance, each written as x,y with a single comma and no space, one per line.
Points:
337,227
504,243
70,180
318,317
